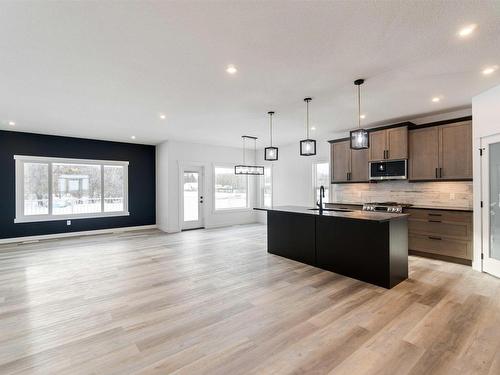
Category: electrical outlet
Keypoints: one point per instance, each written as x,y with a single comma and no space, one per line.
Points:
68,222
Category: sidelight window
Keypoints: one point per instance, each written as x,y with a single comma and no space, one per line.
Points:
57,189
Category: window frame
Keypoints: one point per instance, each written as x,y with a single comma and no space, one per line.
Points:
315,179
20,160
262,185
216,210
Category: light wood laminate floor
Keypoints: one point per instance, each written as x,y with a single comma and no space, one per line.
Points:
214,301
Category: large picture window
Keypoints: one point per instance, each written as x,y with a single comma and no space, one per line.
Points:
231,191
58,189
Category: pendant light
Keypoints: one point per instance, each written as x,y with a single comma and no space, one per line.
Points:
245,169
271,153
359,138
307,146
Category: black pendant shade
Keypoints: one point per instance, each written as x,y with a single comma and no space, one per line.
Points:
360,139
271,153
307,146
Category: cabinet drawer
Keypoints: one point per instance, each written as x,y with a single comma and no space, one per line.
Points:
441,246
449,216
439,228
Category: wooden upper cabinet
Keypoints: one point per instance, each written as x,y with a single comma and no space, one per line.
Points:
389,144
359,165
424,155
441,152
348,165
340,161
397,143
378,145
455,151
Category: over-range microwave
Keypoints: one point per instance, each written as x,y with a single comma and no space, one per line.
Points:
389,170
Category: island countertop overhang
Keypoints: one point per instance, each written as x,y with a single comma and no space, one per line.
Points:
352,215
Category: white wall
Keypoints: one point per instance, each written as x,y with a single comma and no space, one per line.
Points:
486,122
172,154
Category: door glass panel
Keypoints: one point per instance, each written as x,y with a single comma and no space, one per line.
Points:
191,196
494,153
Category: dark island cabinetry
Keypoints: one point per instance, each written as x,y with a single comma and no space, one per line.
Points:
370,247
292,237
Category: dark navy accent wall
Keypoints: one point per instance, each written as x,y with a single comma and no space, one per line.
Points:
141,180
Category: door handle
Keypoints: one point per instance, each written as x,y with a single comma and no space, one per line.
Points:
435,238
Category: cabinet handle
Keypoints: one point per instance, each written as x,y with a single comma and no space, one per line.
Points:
436,173
435,238
434,221
387,157
440,172
435,215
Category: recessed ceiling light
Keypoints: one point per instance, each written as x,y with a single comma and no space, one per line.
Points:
313,127
163,116
362,116
467,30
133,137
436,99
489,70
12,123
231,69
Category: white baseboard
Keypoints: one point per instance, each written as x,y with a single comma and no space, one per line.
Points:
75,234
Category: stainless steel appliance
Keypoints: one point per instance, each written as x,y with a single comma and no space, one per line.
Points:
392,207
388,170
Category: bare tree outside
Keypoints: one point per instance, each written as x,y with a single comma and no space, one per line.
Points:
36,189
230,189
76,188
113,188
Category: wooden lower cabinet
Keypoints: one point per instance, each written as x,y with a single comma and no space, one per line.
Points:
445,234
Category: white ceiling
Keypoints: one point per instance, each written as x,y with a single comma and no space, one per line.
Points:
106,70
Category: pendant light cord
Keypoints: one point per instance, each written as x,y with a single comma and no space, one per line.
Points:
359,106
243,139
307,100
271,127
255,151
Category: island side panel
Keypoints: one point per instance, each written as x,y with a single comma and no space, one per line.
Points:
398,251
354,248
292,236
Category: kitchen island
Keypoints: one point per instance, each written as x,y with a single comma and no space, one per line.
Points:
368,246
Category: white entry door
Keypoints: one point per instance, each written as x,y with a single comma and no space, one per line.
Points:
490,181
192,197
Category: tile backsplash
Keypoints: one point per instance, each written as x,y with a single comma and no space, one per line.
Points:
446,194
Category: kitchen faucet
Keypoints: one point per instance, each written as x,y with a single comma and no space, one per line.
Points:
321,196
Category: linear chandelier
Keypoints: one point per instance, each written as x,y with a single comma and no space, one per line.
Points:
246,169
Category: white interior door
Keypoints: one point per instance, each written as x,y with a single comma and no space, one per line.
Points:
490,185
192,197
